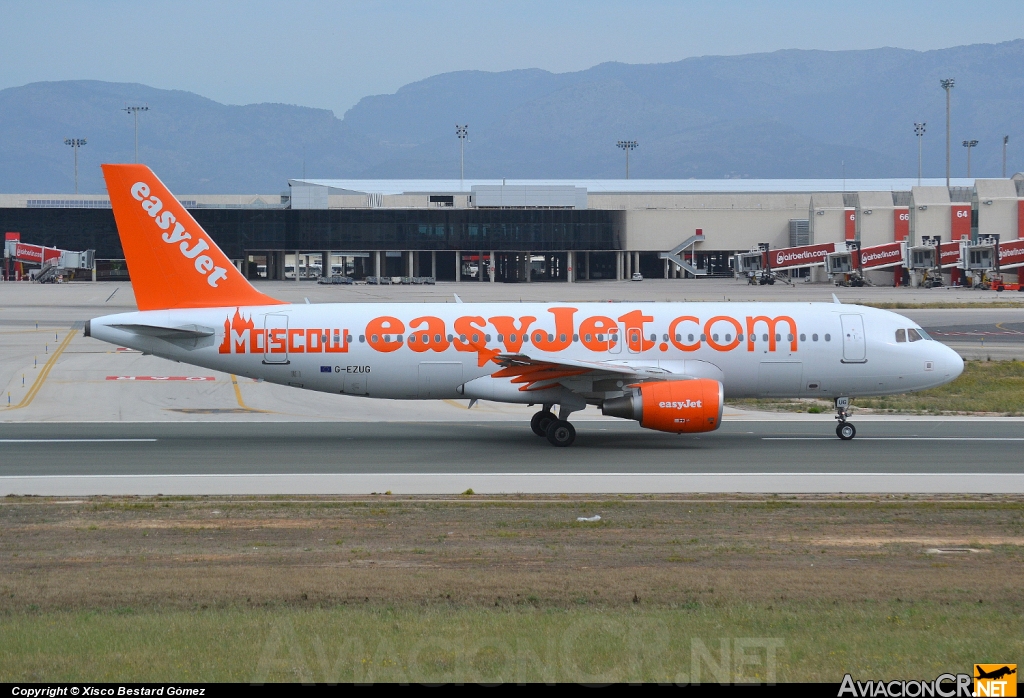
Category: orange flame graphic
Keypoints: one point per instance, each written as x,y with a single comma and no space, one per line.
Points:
537,373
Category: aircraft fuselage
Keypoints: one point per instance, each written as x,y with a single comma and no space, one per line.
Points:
443,350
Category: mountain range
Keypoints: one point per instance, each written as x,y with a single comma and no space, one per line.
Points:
785,114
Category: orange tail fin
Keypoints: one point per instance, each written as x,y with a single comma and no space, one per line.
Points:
172,261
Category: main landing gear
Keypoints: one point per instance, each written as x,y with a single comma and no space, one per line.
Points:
542,420
559,432
844,430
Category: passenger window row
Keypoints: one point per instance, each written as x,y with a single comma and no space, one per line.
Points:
901,336
753,338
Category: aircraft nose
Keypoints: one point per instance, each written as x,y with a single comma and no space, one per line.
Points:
952,363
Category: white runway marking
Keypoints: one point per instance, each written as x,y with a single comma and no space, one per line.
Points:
895,438
72,441
513,483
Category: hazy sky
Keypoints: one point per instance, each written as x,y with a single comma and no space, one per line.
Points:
330,54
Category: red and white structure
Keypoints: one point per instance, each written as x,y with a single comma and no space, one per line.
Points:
17,254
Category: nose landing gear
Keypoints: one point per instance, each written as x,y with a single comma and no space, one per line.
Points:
844,430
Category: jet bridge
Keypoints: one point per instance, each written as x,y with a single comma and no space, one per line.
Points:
854,260
800,257
746,263
843,261
762,264
1011,254
922,258
980,260
981,256
926,261
51,260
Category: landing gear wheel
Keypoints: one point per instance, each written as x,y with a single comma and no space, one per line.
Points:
541,421
561,433
846,431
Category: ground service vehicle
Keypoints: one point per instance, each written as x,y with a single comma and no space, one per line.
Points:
669,366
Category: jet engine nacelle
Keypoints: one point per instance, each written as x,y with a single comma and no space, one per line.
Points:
680,407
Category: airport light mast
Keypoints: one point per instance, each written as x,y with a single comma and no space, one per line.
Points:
1006,139
134,110
947,85
969,145
462,132
75,143
627,146
919,132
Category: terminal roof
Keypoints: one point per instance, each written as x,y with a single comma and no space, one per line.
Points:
629,186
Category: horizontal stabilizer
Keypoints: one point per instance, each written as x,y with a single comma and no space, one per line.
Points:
168,333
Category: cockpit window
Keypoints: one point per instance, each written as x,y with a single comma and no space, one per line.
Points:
901,336
924,335
914,335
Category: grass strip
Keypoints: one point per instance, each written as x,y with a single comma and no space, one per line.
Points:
899,305
739,642
985,387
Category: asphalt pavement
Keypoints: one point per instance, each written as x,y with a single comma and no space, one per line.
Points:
927,455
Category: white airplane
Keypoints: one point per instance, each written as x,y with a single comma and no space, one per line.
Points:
669,366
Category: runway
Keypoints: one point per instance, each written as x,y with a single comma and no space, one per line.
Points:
64,433
78,459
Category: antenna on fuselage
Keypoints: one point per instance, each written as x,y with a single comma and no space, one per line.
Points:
457,299
835,299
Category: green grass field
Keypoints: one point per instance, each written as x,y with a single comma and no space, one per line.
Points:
472,588
897,305
988,387
817,641
984,386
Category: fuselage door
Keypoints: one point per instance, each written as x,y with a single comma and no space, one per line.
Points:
356,382
854,344
275,339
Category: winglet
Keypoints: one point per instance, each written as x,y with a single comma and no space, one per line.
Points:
835,299
172,261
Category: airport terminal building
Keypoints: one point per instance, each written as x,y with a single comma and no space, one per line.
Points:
539,230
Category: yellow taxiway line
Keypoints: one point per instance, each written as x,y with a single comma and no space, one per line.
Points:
41,378
238,395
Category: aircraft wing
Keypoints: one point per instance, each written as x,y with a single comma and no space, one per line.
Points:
632,368
541,371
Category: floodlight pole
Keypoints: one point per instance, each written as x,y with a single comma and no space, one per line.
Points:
1006,139
75,143
947,85
462,132
969,145
627,146
134,110
919,132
